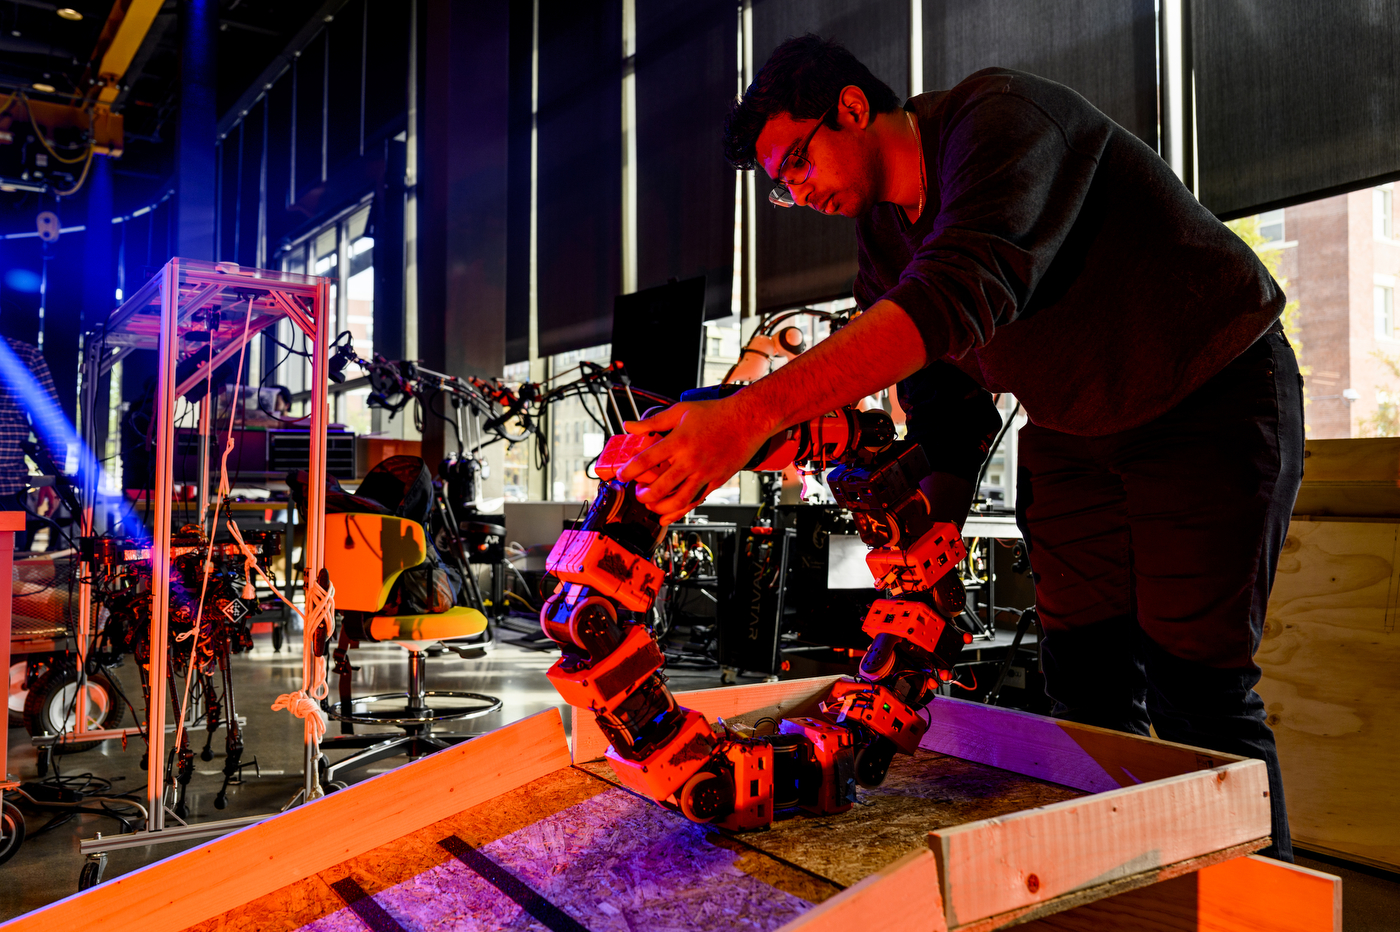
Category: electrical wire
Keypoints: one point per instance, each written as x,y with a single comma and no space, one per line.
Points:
82,178
39,132
960,685
996,445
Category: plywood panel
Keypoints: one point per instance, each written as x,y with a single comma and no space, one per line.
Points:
1330,656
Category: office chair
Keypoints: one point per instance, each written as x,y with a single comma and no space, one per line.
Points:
365,555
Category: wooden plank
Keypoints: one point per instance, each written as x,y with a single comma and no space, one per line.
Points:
216,877
1009,864
1329,655
1372,459
380,868
1249,894
902,896
1082,756
1350,478
747,703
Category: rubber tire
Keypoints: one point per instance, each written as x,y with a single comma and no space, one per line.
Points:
37,705
873,761
90,876
704,798
13,828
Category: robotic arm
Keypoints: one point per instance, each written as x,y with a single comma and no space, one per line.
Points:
612,666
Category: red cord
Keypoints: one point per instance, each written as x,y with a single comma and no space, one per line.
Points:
968,688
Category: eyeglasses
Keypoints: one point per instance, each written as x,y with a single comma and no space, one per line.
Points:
795,169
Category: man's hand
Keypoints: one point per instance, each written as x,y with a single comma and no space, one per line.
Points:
709,441
706,443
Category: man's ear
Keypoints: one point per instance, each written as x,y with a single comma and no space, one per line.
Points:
853,109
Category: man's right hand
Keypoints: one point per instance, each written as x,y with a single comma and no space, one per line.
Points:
705,444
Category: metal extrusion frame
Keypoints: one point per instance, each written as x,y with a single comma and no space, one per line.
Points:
188,307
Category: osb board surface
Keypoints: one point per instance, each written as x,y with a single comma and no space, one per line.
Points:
922,793
601,854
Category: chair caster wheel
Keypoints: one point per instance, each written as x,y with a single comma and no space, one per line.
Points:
334,785
91,874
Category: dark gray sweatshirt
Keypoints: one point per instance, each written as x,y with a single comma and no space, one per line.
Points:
1060,259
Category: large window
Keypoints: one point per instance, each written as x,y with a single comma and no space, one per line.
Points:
343,252
1383,211
1384,301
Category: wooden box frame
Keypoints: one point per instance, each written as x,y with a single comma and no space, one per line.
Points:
1156,811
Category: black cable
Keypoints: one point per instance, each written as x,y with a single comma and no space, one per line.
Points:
996,444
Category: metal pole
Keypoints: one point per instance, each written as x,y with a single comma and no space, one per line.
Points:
92,372
206,411
167,347
316,494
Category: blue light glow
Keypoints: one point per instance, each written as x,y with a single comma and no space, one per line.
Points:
23,280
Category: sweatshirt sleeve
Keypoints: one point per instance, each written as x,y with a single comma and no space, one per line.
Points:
1008,181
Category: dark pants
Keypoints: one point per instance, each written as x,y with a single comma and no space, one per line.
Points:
1154,552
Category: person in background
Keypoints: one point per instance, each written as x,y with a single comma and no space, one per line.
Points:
26,373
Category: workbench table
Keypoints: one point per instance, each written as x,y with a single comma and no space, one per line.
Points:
1002,818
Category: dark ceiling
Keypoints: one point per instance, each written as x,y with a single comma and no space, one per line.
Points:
38,46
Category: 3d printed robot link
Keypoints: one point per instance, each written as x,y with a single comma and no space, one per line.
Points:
612,666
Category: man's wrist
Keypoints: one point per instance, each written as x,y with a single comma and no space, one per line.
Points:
752,407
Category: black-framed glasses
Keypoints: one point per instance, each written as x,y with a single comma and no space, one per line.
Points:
795,169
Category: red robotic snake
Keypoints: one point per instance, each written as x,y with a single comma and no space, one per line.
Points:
612,666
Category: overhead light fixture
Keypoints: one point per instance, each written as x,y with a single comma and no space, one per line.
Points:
43,88
68,13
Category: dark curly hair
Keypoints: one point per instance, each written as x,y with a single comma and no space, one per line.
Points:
802,78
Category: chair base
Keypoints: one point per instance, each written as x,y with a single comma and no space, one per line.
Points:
408,715
377,748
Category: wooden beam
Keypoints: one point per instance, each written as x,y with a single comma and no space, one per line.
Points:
902,896
210,880
1250,894
1009,865
746,703
1082,756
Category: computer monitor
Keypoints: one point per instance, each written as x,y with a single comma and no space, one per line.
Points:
658,335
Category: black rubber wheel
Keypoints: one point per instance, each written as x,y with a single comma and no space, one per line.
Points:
873,762
91,875
11,831
704,798
48,709
277,635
